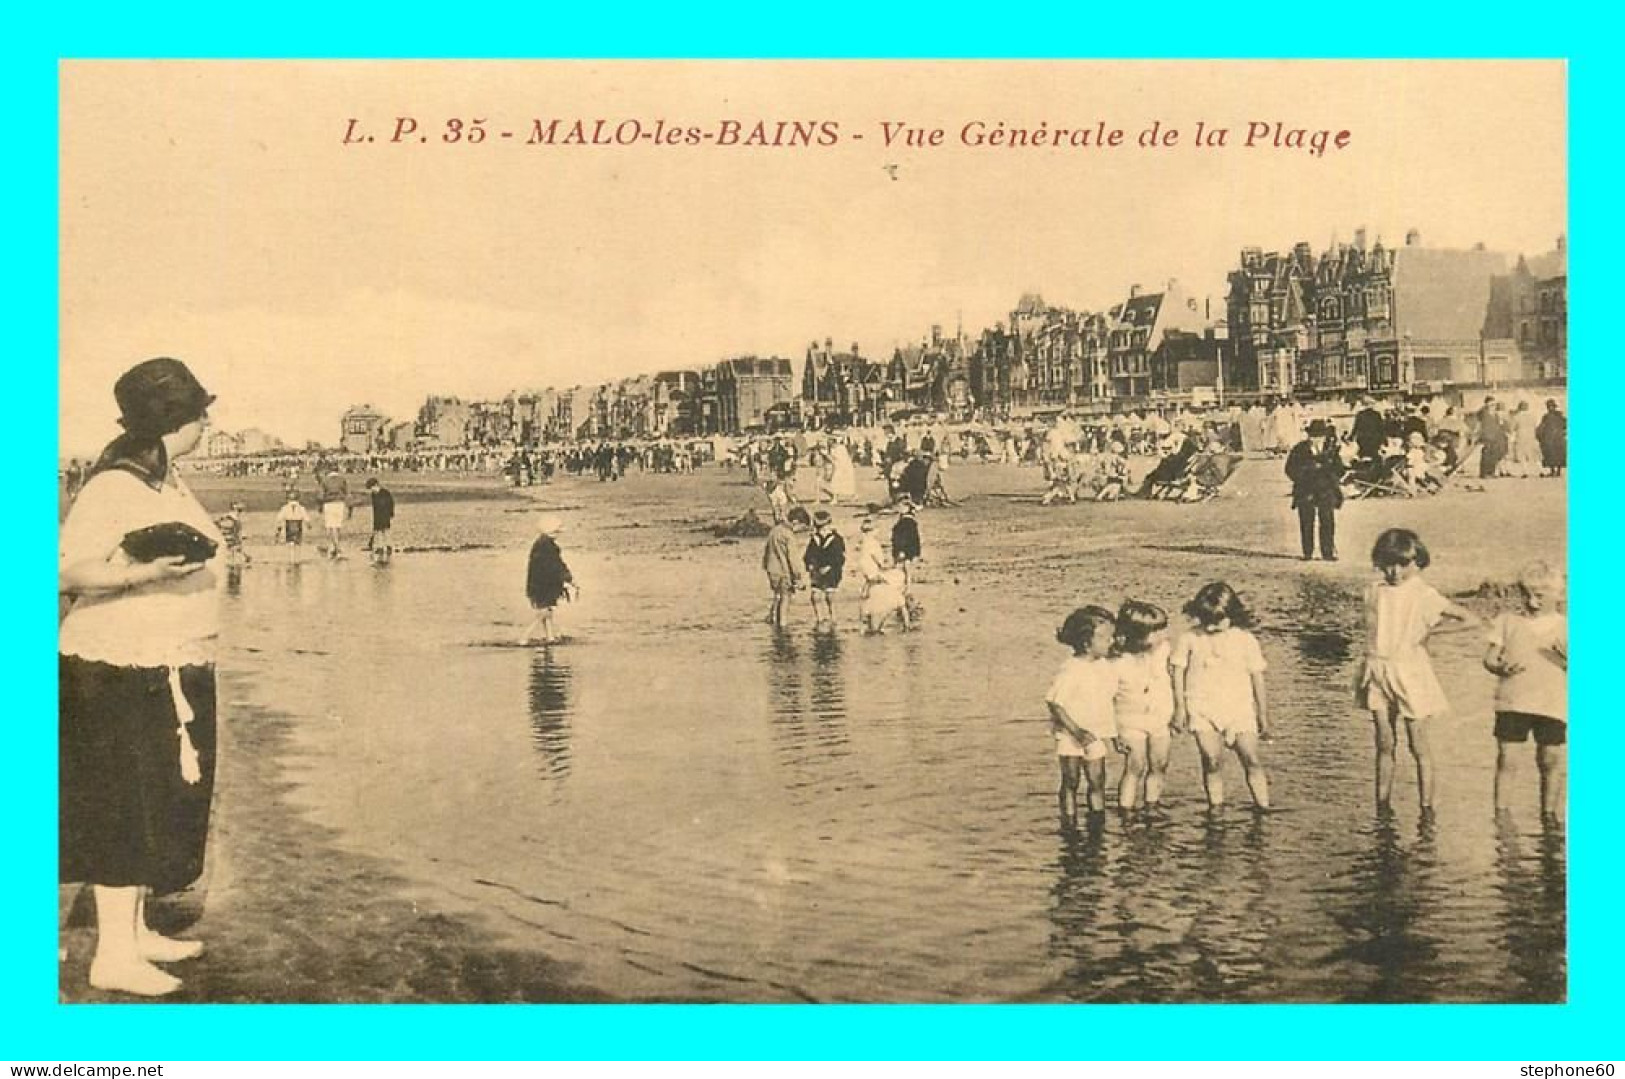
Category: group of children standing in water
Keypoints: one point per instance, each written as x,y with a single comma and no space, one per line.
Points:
1128,687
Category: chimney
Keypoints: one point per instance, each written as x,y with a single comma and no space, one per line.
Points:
1479,246
1359,238
1413,238
1133,292
1173,283
1562,244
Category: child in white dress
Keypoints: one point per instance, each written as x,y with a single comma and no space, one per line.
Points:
1397,682
1219,693
884,598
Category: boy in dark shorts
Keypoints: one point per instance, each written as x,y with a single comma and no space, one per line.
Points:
825,560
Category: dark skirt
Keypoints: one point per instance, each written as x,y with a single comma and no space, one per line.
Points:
126,815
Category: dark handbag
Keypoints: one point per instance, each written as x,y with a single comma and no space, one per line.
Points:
168,540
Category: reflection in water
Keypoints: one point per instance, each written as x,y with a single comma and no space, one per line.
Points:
784,673
1232,924
859,778
1393,892
1534,893
550,711
1145,910
808,699
1077,903
1324,620
828,678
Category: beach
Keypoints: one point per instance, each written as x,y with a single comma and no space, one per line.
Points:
678,804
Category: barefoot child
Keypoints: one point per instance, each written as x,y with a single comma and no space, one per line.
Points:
231,529
825,560
905,540
1529,653
1397,680
380,545
290,526
779,562
1080,707
872,560
883,599
1219,696
1144,704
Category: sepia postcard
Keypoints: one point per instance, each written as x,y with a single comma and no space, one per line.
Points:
813,531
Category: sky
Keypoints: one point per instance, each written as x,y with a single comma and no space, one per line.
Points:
213,211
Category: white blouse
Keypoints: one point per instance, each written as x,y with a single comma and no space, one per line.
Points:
169,623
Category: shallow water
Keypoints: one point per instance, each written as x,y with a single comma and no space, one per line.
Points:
687,805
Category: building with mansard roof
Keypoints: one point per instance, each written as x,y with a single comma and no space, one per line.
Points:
846,387
1357,318
1441,303
1139,328
933,375
1267,314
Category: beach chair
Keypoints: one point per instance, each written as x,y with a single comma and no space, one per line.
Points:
1208,475
1170,478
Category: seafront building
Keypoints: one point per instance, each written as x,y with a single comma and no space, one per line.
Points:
1352,318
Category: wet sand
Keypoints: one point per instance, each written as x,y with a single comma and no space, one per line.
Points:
289,917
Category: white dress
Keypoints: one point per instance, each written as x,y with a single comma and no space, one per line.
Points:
1398,672
843,480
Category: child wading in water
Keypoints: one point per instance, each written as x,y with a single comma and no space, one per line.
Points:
290,526
825,560
1219,696
905,541
1529,653
547,580
1144,705
780,563
1080,707
1397,680
231,528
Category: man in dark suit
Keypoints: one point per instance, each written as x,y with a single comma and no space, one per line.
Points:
1316,472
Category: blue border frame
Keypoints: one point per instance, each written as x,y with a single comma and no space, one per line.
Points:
39,1028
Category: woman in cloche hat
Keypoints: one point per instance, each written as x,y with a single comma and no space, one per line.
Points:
136,663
